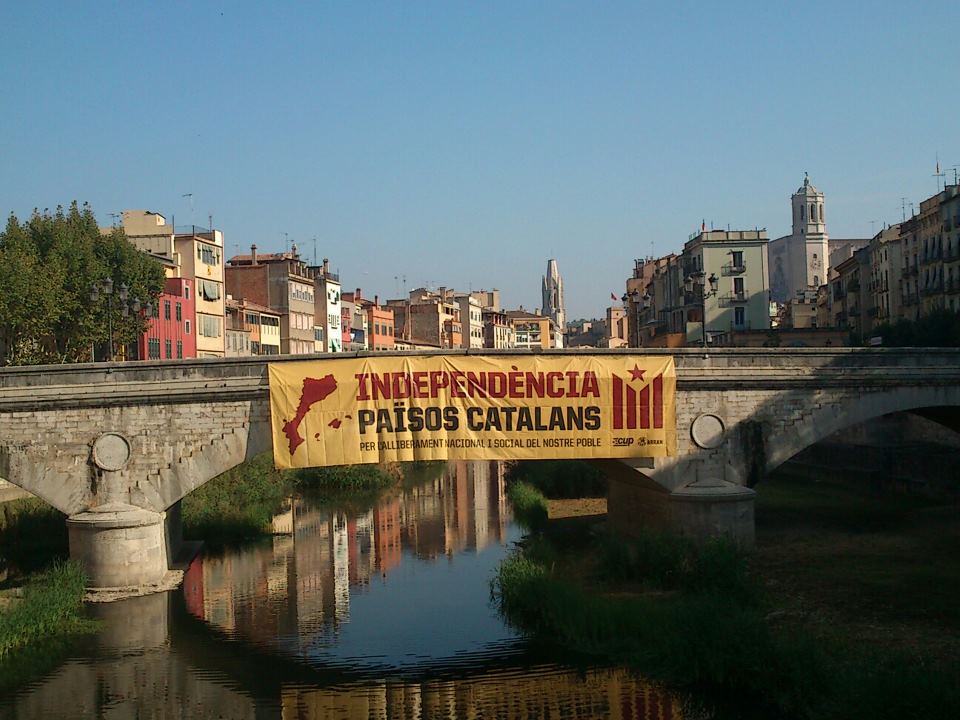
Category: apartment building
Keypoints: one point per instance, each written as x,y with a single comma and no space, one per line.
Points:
251,328
532,330
427,316
471,321
725,279
497,330
283,283
327,310
193,253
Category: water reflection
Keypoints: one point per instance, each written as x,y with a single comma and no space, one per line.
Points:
364,613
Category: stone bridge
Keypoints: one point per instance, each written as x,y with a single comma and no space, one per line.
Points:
117,446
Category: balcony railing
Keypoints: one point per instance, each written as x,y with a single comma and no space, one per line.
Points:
733,269
735,298
932,289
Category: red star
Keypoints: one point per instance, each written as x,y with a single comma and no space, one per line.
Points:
636,373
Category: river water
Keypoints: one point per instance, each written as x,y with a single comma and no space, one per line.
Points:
364,612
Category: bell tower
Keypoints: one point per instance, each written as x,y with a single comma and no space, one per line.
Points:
810,230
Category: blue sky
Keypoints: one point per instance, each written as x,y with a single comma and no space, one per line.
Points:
465,143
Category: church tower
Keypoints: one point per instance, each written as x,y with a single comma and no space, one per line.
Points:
552,291
810,231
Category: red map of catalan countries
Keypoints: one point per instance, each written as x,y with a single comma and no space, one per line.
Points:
313,391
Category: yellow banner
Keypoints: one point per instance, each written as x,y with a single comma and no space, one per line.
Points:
455,407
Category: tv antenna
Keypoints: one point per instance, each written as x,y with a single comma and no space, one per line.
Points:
939,174
314,250
286,241
190,196
115,217
873,230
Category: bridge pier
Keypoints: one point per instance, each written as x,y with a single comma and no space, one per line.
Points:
119,545
706,508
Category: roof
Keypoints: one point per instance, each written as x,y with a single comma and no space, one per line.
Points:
261,258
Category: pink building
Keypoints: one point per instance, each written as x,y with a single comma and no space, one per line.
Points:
171,334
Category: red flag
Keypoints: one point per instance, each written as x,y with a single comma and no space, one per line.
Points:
613,297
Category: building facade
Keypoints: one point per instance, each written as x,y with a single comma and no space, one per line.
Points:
283,283
725,283
327,311
497,330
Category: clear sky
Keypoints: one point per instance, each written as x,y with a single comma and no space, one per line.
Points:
465,143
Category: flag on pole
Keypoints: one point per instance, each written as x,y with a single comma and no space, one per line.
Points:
613,297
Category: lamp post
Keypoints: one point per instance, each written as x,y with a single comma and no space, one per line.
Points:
693,281
642,302
123,293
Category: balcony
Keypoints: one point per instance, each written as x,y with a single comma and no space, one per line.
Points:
853,286
731,269
735,298
932,289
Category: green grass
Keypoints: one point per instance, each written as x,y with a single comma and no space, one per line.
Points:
560,478
241,503
238,504
529,505
847,610
50,606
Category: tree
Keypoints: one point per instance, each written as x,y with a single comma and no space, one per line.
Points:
48,265
940,328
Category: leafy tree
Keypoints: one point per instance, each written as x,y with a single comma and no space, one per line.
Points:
940,328
48,265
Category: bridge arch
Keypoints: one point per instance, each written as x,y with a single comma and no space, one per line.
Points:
788,438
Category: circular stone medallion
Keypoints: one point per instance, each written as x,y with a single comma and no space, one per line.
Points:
111,451
707,431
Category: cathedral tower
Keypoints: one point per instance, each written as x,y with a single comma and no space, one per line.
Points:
552,289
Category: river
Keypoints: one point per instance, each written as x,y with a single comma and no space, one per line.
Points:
345,612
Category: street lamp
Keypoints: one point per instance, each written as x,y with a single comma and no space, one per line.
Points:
693,281
123,293
642,302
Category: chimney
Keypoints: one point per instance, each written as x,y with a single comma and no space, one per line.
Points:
376,300
357,296
253,254
326,267
296,253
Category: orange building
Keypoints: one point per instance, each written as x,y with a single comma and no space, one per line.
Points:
380,320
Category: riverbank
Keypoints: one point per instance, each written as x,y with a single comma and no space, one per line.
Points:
847,609
241,503
38,620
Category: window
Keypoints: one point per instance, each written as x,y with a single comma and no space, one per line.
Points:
738,286
168,349
153,348
252,319
186,291
179,349
166,309
269,321
254,347
737,258
739,318
208,255
802,216
813,213
210,326
209,290
179,312
186,327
